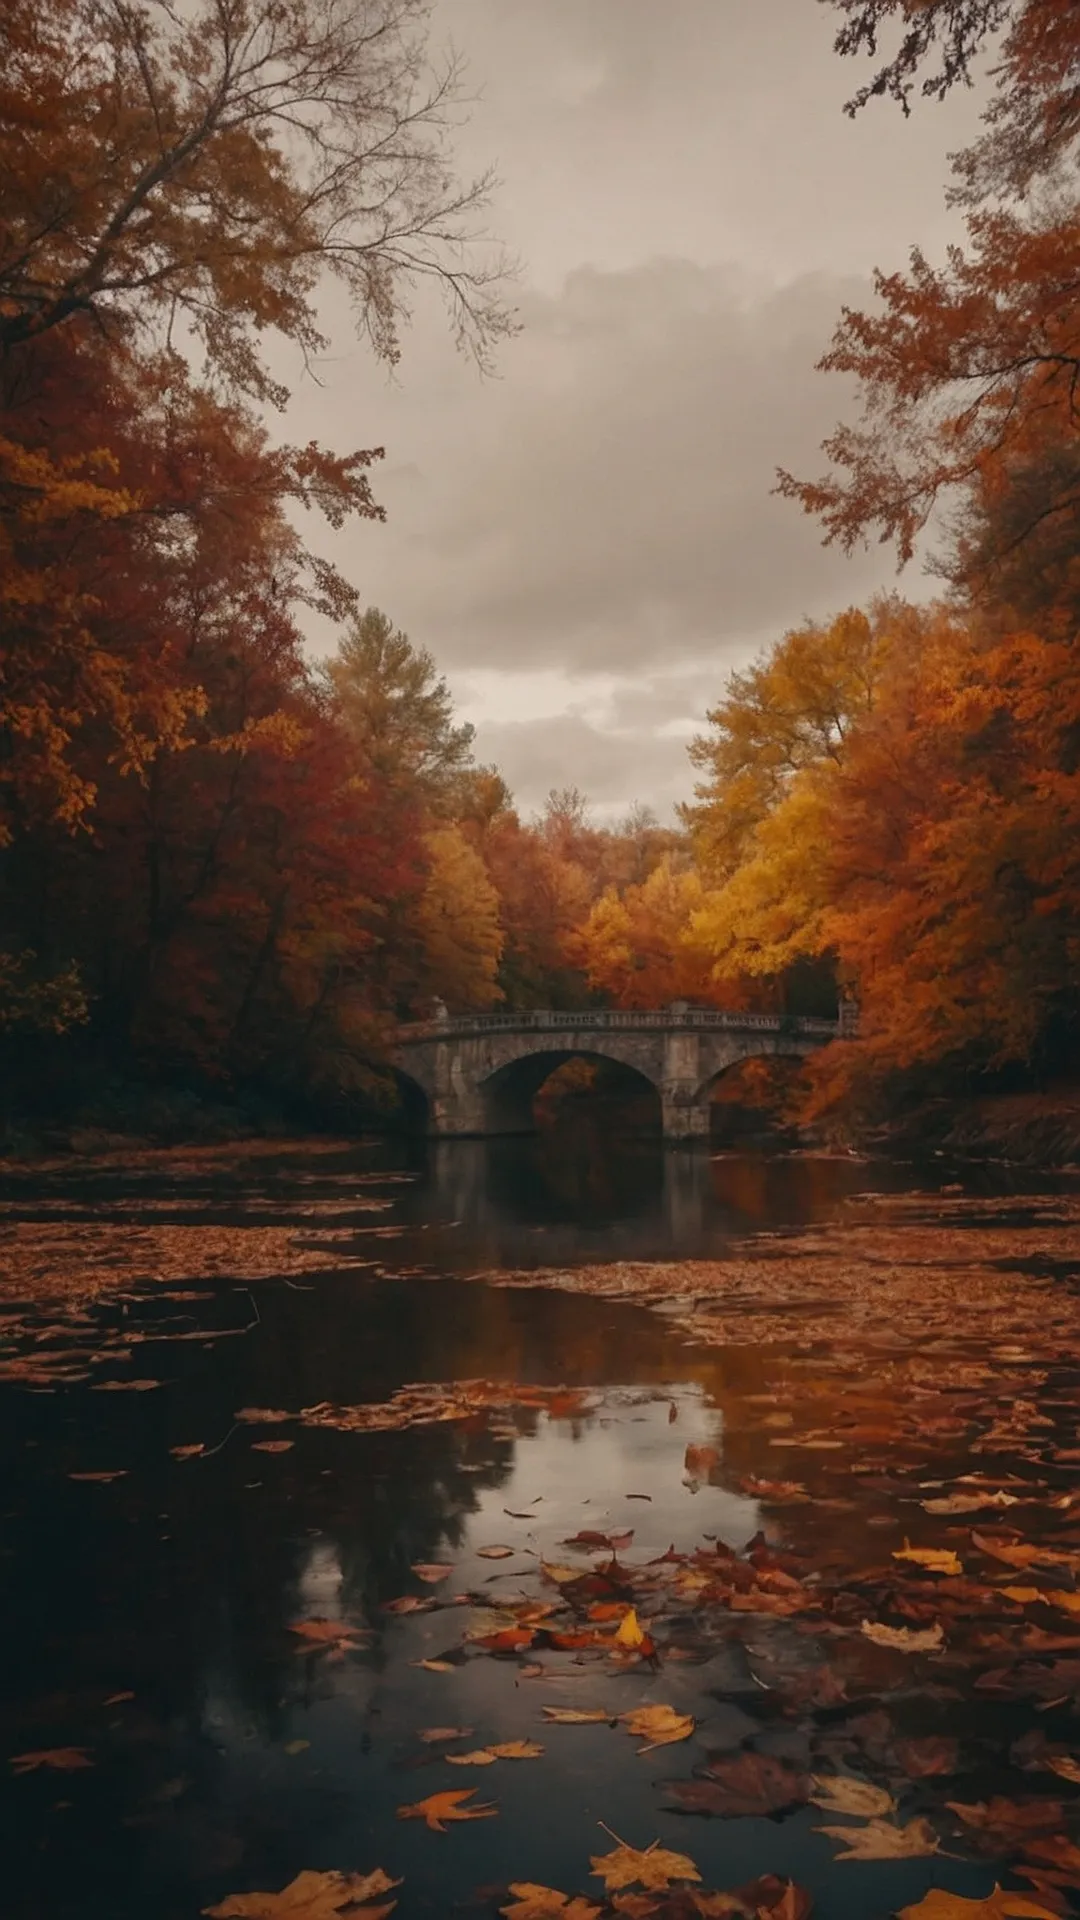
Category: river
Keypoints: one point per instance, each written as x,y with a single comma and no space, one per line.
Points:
247,1495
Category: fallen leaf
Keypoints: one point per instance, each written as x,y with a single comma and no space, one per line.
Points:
408,1603
630,1632
881,1840
432,1571
905,1639
312,1896
191,1452
836,1793
700,1460
658,1726
480,1757
1066,1766
1070,1602
327,1633
115,1699
293,1747
924,1756
543,1903
577,1716
517,1750
741,1786
118,1473
272,1446
939,1905
654,1867
441,1807
495,1553
1008,1820
264,1417
63,1759
934,1559
434,1666
433,1735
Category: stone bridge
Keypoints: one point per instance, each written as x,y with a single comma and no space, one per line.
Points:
480,1073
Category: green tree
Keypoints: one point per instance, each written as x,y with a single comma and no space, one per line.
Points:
399,712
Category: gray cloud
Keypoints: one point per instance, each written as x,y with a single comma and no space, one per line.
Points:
692,208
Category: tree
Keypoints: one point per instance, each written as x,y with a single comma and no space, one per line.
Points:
793,709
975,363
457,920
639,947
211,163
398,711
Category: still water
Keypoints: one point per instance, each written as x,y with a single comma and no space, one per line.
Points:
147,1621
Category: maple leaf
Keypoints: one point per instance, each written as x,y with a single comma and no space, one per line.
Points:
934,1559
742,1785
660,1726
905,1639
577,1716
838,1794
313,1896
881,1840
543,1903
63,1759
939,1905
654,1867
441,1807
517,1750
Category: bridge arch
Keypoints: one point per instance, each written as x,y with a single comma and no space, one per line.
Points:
509,1092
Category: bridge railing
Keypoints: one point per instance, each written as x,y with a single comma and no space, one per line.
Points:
695,1018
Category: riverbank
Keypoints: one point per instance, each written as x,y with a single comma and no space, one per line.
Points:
1022,1129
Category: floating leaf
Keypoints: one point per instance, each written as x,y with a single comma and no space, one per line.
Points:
191,1452
63,1759
934,1559
658,1726
881,1840
939,1905
576,1716
495,1553
313,1896
480,1757
905,1639
439,1808
264,1417
654,1867
434,1666
507,1750
743,1785
630,1633
836,1793
432,1571
432,1736
117,1473
543,1903
272,1446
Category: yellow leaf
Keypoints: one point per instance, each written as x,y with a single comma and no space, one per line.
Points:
313,1896
654,1867
629,1633
881,1840
939,1905
440,1807
837,1794
934,1559
660,1726
905,1639
577,1716
544,1903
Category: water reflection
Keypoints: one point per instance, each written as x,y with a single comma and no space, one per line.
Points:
559,1197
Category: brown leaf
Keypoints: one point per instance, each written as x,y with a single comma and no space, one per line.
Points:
272,1446
905,1639
927,1755
1008,1820
63,1759
837,1793
441,1807
743,1785
263,1417
495,1553
434,1735
432,1571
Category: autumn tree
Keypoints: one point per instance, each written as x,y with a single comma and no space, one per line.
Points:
638,947
210,164
972,364
457,921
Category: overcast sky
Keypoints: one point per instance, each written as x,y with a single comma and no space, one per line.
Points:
587,543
